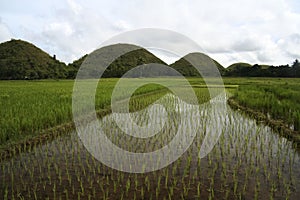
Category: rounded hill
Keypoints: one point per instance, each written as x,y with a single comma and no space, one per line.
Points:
23,60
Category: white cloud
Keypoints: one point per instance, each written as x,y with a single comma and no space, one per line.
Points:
5,33
291,45
76,8
72,32
229,31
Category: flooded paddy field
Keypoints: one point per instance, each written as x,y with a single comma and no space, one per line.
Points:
248,161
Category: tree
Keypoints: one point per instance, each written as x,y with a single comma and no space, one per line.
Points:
296,68
296,64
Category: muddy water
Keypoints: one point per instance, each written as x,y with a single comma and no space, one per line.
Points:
248,161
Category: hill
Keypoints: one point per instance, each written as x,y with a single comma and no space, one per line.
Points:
22,60
186,68
238,69
125,62
238,66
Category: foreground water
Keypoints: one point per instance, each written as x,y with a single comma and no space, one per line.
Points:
248,161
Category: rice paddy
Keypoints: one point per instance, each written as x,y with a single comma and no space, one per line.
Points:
249,161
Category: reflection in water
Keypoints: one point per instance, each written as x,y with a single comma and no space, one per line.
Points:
168,119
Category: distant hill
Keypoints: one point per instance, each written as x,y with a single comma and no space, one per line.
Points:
125,62
187,69
23,60
238,69
237,66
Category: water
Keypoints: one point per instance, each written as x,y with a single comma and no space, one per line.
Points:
248,160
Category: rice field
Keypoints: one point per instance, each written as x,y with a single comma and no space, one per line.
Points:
30,107
249,161
279,98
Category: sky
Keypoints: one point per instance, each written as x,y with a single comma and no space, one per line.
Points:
264,32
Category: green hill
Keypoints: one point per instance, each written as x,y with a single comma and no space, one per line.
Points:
23,60
238,69
186,69
238,66
125,62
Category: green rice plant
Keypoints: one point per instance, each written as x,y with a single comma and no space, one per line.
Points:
157,191
33,106
142,192
66,193
128,184
5,196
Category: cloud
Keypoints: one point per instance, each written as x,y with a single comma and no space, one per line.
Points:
234,30
73,32
291,45
246,44
5,33
243,30
76,8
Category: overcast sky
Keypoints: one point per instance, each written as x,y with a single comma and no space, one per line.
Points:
266,31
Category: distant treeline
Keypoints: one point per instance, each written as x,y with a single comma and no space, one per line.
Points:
246,70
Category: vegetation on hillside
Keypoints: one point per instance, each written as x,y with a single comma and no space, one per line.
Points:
184,67
124,63
23,60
